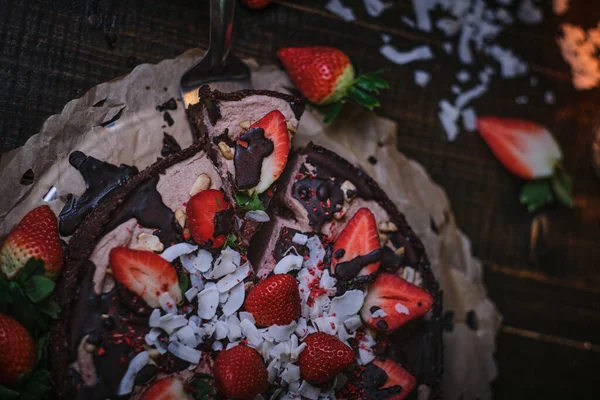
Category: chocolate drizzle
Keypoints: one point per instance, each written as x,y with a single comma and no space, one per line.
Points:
100,179
146,206
170,145
350,269
320,198
250,151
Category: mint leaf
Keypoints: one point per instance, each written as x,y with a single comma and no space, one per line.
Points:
562,187
184,281
201,387
8,394
232,241
363,98
246,202
41,351
32,267
372,82
49,307
536,194
38,287
332,111
37,386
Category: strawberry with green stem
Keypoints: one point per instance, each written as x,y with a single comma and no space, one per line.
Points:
325,76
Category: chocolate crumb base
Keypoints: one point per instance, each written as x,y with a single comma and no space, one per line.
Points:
80,248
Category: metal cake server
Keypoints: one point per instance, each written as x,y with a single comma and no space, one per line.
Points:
217,68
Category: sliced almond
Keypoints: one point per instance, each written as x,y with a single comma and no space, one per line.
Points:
226,150
87,346
291,127
147,241
387,227
340,214
180,217
383,238
399,251
201,184
245,124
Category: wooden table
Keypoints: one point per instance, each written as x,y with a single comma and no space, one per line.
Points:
53,51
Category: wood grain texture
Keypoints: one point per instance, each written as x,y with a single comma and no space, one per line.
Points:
54,51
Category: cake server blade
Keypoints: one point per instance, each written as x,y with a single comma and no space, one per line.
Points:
219,69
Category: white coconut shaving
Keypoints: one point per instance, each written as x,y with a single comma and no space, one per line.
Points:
422,78
226,263
327,325
510,65
299,238
309,391
347,304
422,14
401,309
520,100
376,7
448,26
529,13
288,263
135,366
235,300
191,293
177,250
257,216
168,304
208,301
549,97
448,115
338,8
469,118
229,281
419,53
184,352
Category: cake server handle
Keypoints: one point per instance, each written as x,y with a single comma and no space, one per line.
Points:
221,26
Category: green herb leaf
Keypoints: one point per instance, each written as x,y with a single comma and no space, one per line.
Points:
49,307
37,386
332,111
40,351
372,82
363,98
184,281
38,287
8,394
202,387
247,202
32,267
232,241
562,186
536,194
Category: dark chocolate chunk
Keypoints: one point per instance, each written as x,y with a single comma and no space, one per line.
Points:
170,104
284,243
212,108
250,151
223,221
390,261
448,321
170,145
339,253
320,198
28,177
224,137
374,309
100,179
372,160
168,119
381,324
349,269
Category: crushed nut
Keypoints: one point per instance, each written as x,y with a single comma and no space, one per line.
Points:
408,274
245,124
109,271
291,127
349,191
87,346
226,150
180,217
399,251
201,184
383,238
147,241
340,214
387,227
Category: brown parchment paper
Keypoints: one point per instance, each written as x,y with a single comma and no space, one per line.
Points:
135,138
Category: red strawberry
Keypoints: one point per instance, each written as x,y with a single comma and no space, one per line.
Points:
274,301
276,131
169,388
396,376
240,373
397,299
35,236
325,75
256,4
201,211
325,356
360,237
526,149
145,273
18,350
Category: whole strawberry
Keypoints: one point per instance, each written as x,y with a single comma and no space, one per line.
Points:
35,236
325,356
324,75
17,350
274,301
240,373
256,4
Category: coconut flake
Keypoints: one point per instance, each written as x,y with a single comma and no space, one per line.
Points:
309,391
170,322
376,7
386,39
300,238
228,262
301,329
288,263
409,22
184,352
187,336
338,8
236,299
365,355
328,282
246,315
208,301
191,293
469,119
291,373
257,216
448,116
422,14
167,303
233,325
316,252
217,346
464,51
280,333
154,319
464,98
504,16
177,250
448,47
135,366
252,333
229,281
401,309
221,330
463,76
353,323
529,14
419,53
273,371
520,100
510,65
327,325
449,26
422,78
549,97
203,261
349,303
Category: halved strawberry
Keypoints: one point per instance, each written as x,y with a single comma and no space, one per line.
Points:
380,379
240,373
356,250
274,301
145,273
276,131
207,220
169,388
35,236
394,302
325,356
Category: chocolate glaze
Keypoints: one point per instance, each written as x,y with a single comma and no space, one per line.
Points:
250,151
170,145
147,207
320,197
100,178
390,261
326,167
223,221
350,269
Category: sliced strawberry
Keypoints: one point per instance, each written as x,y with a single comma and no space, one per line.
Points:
240,373
35,236
325,356
394,302
169,388
274,301
396,377
276,131
525,148
380,379
145,273
208,219
356,250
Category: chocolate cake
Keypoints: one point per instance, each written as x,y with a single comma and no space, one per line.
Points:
238,267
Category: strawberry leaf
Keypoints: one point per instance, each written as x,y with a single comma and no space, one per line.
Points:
38,287
562,187
536,194
32,267
247,202
184,281
8,394
37,386
363,98
372,82
332,111
201,387
49,307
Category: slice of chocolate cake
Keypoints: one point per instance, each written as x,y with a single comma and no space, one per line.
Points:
171,286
